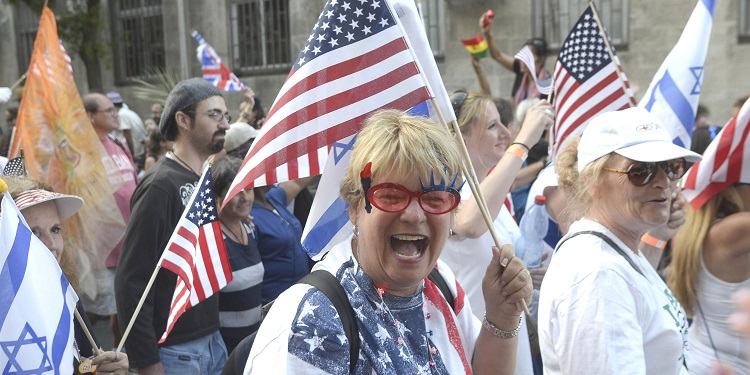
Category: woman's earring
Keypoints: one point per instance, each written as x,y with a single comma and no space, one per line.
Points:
450,232
355,229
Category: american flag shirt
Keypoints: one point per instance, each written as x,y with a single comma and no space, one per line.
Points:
303,334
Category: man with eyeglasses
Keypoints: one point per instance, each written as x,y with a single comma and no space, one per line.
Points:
195,117
118,163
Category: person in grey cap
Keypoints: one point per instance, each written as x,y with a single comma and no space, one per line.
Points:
603,309
195,117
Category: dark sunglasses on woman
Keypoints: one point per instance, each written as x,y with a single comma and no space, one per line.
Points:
641,173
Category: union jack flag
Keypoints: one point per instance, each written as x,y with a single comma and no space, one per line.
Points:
196,253
214,70
725,161
356,61
587,80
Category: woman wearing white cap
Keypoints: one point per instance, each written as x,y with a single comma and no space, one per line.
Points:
603,308
44,211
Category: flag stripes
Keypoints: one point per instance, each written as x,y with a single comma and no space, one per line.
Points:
725,161
196,253
338,81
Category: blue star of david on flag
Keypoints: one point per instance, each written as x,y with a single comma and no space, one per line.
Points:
33,347
32,281
674,93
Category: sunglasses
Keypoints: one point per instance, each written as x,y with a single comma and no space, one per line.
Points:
434,200
641,173
457,101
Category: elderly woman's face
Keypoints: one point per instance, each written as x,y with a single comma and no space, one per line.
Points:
44,222
398,250
634,208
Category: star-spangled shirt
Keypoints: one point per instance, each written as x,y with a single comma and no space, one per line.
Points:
584,53
342,23
303,333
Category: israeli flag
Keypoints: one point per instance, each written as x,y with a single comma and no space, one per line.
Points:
328,222
36,302
675,90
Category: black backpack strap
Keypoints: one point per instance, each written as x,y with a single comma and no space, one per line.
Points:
439,281
609,242
331,287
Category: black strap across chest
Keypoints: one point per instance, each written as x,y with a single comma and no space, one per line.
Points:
609,242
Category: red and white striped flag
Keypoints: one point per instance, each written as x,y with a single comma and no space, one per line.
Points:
196,253
725,161
586,80
355,62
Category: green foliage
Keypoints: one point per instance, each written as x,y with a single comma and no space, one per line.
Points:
78,24
163,81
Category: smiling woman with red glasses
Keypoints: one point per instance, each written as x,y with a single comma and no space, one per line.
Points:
402,191
603,308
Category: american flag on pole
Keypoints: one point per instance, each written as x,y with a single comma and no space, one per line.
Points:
355,61
328,223
196,253
214,70
586,80
725,161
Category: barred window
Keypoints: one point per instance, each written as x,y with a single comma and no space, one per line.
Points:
259,33
553,19
27,22
139,38
433,13
743,30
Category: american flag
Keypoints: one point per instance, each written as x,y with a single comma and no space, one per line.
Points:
214,70
586,80
725,161
355,61
15,167
196,253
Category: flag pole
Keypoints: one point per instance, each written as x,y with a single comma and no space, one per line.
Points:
605,37
467,168
139,306
94,346
18,81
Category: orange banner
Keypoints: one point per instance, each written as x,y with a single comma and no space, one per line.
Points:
62,148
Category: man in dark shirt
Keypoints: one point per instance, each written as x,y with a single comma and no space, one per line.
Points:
195,117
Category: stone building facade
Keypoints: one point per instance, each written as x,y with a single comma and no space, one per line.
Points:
259,39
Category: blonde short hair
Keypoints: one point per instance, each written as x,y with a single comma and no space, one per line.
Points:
399,144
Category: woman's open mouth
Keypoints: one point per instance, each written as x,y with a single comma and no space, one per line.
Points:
408,246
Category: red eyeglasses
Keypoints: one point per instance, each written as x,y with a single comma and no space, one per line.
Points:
641,173
434,200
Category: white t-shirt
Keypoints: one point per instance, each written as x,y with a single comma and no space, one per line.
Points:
468,259
598,315
303,335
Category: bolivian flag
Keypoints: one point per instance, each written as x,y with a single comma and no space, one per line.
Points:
476,46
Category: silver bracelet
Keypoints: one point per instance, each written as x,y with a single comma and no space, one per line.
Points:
499,332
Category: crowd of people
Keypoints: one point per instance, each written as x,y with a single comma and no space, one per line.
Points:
420,285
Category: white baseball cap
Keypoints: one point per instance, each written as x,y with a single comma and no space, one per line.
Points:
633,133
238,133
